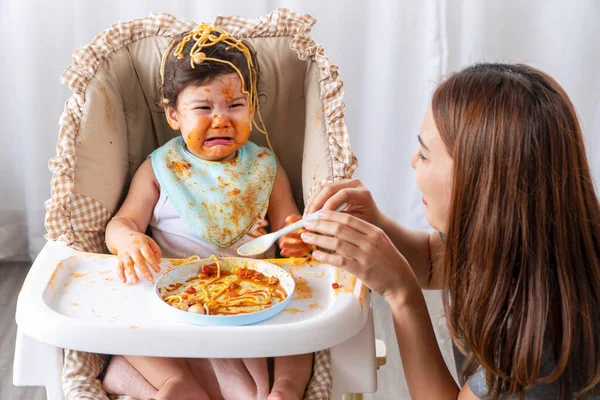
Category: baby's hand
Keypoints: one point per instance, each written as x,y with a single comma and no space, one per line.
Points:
291,245
139,251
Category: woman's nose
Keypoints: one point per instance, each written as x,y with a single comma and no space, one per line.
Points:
220,121
413,160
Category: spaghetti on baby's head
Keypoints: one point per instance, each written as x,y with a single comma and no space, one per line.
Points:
205,53
209,88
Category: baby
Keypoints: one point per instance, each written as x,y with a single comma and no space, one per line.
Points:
207,191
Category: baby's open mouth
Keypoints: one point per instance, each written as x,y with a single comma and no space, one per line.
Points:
216,141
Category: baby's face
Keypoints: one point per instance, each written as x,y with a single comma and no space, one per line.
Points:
214,118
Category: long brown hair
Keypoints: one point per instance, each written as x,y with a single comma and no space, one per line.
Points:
522,248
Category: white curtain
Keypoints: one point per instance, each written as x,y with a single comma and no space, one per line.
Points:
391,55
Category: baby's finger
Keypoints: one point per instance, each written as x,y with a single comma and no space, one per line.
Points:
155,249
290,243
142,266
290,219
130,269
300,252
121,271
149,256
295,235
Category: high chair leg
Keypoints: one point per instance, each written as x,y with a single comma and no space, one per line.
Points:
380,352
353,364
38,364
353,396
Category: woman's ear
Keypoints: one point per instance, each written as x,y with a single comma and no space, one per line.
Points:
172,117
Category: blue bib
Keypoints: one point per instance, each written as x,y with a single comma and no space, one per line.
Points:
219,200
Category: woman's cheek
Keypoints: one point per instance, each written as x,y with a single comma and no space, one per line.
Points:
419,180
424,185
445,211
439,207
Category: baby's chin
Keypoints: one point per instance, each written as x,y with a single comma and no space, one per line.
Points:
219,152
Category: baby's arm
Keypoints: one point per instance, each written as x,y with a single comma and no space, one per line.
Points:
125,232
281,202
283,211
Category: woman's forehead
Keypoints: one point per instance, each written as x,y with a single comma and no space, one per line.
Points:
428,135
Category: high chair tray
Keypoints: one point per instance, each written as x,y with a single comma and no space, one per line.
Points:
74,300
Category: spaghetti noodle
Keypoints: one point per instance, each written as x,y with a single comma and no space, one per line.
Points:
218,291
206,35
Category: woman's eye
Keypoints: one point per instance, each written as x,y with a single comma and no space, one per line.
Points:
420,155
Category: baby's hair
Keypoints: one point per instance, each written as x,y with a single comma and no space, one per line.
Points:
203,54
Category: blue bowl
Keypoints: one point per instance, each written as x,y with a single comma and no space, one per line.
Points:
183,272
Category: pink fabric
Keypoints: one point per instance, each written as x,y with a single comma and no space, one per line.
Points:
225,378
122,378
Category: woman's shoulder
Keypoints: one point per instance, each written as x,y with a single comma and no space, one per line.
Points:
478,385
541,391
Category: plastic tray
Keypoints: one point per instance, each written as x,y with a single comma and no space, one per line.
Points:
72,299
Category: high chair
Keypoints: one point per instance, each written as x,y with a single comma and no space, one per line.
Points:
108,127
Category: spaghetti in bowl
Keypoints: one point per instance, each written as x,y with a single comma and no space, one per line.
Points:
226,291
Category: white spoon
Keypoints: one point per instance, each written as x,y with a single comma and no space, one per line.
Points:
263,243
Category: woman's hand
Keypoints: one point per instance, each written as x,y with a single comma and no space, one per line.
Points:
140,252
359,199
363,250
291,245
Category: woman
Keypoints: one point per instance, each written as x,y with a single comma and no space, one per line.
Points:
506,185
